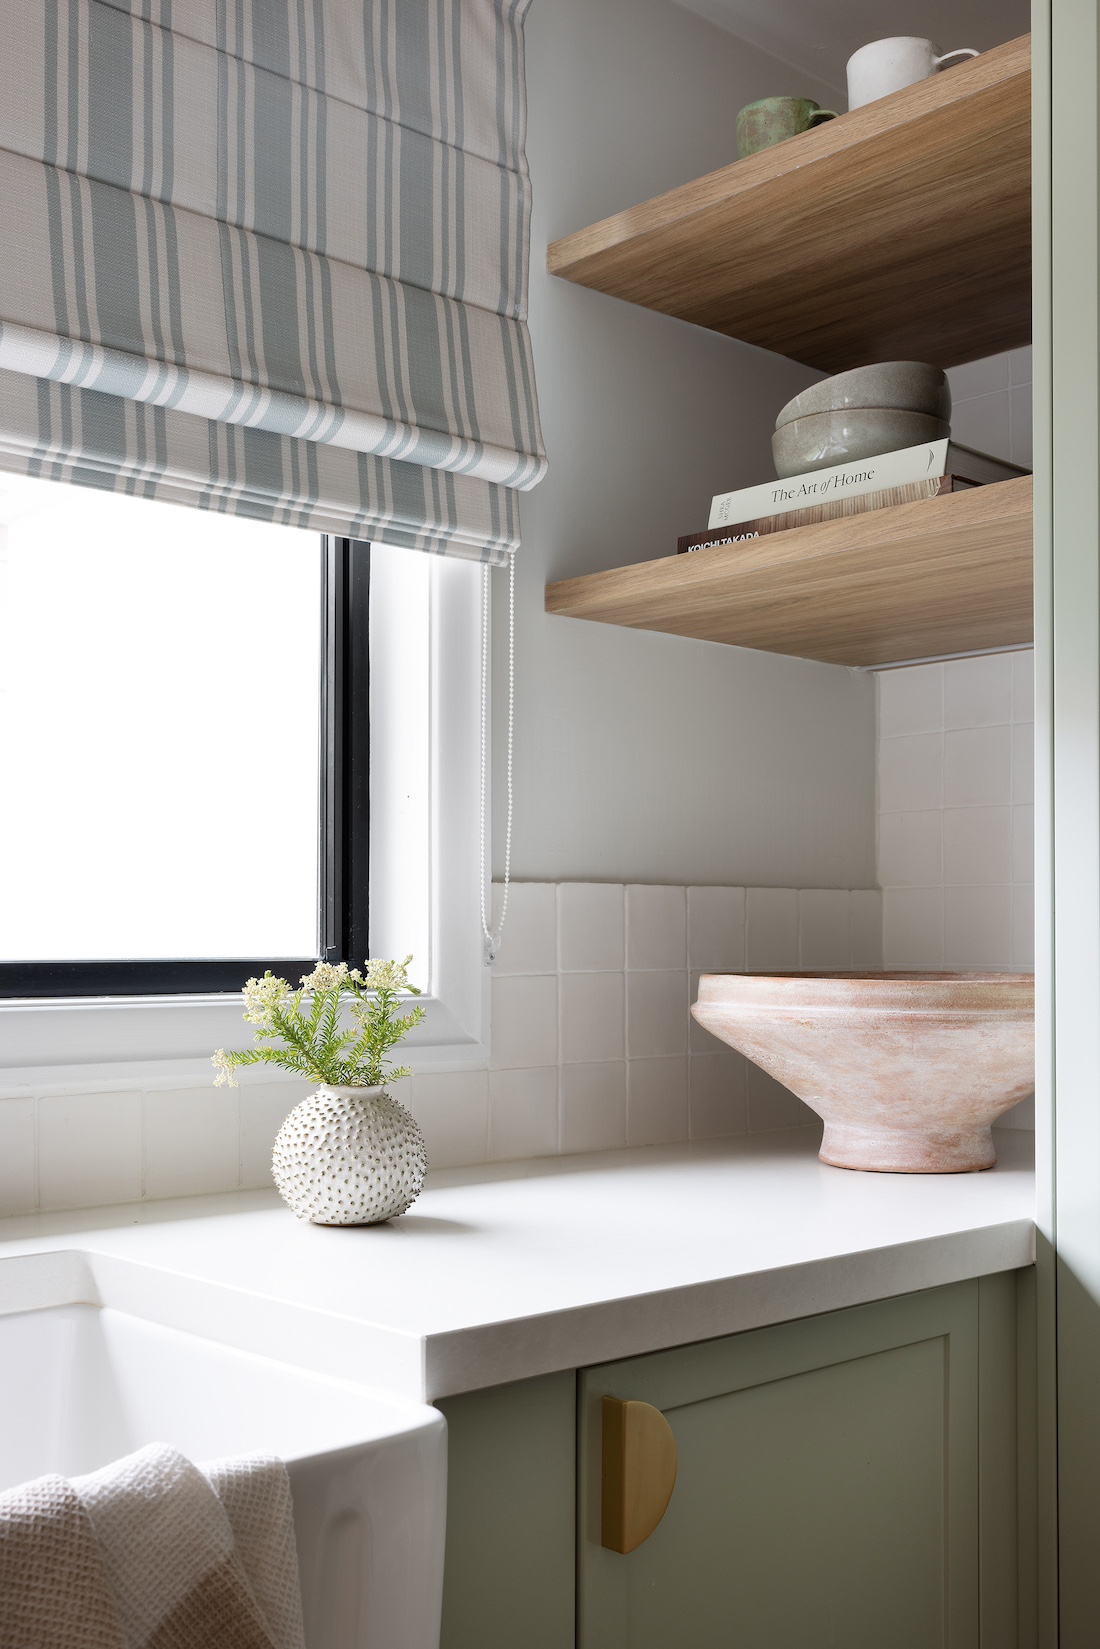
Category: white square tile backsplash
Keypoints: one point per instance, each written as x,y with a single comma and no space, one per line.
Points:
865,918
452,1108
17,1155
593,1017
89,1149
523,1113
966,828
264,1108
656,1013
977,766
1023,927
716,1097
910,772
192,1141
1023,687
977,692
771,929
912,927
656,1100
984,422
977,927
1023,844
977,845
532,928
910,701
910,848
524,1019
1019,371
984,377
592,1047
824,929
593,1106
770,1105
1023,763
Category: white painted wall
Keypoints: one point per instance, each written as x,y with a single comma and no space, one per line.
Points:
956,820
644,757
822,37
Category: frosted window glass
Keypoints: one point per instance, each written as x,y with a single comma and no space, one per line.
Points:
159,730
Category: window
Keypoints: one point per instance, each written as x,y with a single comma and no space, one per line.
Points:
185,745
119,1018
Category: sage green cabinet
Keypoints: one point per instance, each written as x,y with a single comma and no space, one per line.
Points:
847,1480
508,1582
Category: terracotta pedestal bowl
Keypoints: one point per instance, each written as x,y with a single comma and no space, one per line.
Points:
908,1070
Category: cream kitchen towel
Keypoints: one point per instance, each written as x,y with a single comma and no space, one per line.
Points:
170,1550
144,1555
255,1492
54,1592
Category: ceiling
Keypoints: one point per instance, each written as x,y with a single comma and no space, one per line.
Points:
818,36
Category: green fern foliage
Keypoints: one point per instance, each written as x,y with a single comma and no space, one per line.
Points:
338,1027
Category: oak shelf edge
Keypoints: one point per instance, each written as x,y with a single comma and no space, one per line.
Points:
935,578
898,231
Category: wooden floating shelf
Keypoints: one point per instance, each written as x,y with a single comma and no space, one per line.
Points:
901,231
939,577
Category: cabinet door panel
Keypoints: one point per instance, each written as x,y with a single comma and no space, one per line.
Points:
511,1497
826,1494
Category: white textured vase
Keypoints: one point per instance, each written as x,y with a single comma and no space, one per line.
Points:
349,1156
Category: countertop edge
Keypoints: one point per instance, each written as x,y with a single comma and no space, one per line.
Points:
475,1358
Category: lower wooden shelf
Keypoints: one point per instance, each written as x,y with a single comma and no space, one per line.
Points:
939,577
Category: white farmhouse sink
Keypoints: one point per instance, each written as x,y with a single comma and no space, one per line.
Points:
82,1384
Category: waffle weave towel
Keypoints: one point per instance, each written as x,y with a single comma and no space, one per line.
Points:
146,1554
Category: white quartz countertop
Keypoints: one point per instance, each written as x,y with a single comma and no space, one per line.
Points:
518,1269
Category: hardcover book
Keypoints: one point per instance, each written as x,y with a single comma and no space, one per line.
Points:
865,475
740,531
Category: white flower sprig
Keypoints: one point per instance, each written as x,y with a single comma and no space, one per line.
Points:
388,976
261,996
337,1027
326,976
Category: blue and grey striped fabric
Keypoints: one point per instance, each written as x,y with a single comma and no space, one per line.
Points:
271,256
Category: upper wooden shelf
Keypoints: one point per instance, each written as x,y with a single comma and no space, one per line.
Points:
901,231
943,576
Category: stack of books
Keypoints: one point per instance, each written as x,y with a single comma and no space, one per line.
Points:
847,489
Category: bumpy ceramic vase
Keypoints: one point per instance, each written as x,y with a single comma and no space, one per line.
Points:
349,1156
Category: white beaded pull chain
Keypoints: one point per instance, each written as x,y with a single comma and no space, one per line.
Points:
492,941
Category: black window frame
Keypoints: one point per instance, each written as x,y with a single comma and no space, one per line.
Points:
343,824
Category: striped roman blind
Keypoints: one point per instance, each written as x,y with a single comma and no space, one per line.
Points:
270,256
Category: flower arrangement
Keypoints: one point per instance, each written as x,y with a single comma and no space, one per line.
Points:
336,1029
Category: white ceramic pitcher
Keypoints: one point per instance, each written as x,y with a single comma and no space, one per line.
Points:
885,66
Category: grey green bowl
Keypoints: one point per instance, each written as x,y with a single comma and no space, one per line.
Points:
902,386
841,437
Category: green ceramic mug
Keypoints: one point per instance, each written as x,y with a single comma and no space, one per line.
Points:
772,119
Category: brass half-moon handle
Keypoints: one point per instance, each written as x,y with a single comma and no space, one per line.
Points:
639,1472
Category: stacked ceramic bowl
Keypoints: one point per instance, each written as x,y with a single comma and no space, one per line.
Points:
860,414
